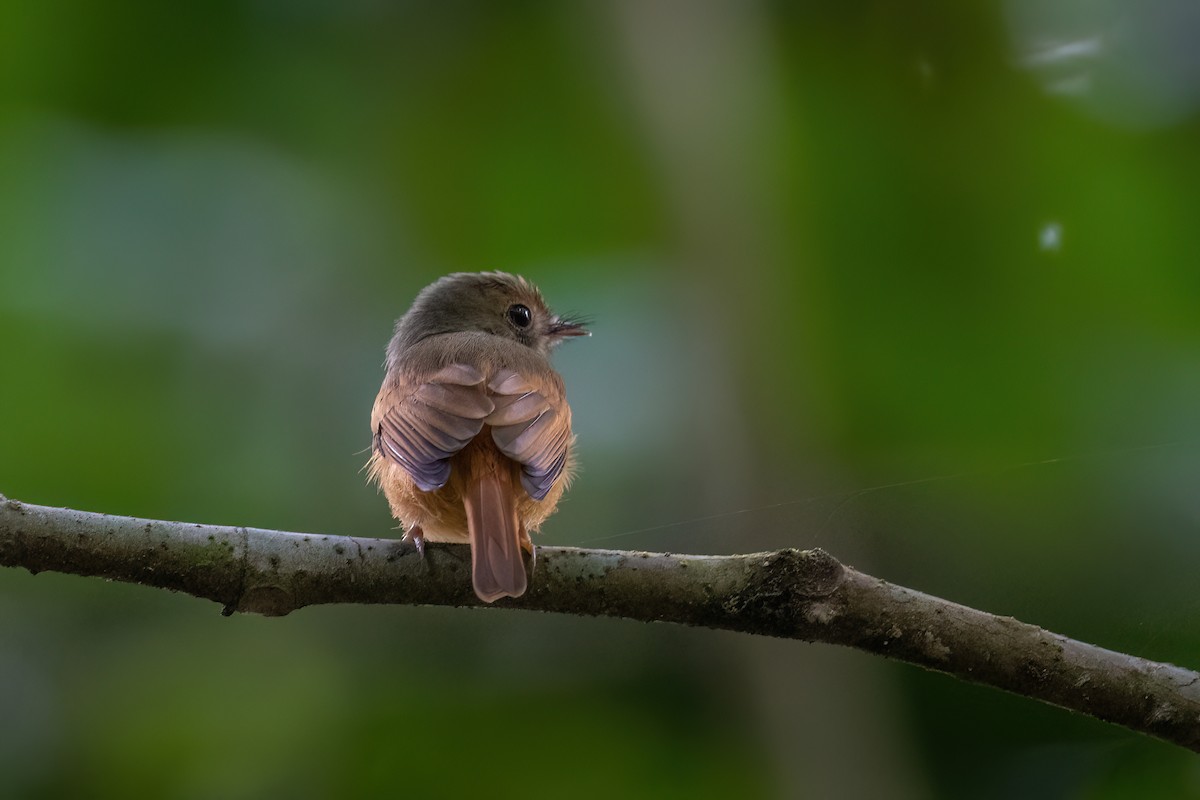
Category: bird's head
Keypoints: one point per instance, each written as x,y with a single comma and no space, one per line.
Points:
489,302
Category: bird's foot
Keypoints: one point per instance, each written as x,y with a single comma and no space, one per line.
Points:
530,556
416,537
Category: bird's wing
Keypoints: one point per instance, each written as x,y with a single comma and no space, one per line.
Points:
420,423
531,424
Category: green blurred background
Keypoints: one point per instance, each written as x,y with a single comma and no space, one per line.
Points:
914,282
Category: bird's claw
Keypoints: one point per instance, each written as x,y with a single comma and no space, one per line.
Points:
529,555
416,537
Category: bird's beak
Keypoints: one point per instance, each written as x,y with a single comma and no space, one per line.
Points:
567,327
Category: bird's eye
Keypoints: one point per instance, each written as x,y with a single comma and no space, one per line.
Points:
520,316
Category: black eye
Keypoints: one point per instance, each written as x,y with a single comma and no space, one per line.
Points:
520,316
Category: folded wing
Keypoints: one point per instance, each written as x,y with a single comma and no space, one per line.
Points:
421,425
531,424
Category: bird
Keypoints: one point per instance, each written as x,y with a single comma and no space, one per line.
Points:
471,430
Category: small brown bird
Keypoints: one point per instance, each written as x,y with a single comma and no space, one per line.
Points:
472,431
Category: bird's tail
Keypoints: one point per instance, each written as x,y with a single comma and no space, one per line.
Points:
497,568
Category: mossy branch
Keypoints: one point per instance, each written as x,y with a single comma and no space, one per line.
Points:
806,595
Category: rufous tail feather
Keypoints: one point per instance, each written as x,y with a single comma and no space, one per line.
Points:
497,569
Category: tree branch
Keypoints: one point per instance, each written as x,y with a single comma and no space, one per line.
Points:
795,594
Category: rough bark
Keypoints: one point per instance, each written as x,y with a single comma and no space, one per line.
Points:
795,594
